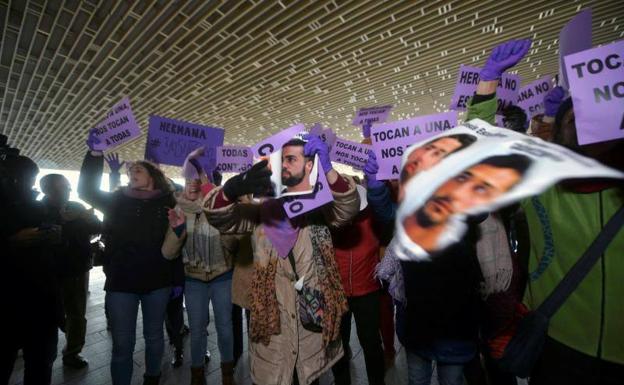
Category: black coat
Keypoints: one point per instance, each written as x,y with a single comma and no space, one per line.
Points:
443,301
134,231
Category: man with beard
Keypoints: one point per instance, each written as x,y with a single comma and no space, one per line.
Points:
296,167
297,300
478,185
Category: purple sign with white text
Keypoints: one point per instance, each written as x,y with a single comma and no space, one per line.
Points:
169,141
118,127
596,79
350,153
575,36
301,204
390,139
466,86
531,96
274,142
371,115
234,159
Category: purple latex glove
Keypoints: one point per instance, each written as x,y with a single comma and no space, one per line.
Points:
366,129
504,56
92,141
370,171
192,169
177,291
553,100
113,162
315,146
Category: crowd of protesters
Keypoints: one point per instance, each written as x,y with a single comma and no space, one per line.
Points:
205,246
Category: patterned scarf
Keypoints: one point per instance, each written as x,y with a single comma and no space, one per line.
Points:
265,319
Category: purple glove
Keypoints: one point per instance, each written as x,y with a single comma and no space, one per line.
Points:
553,100
315,146
366,129
93,140
113,162
370,171
504,56
177,291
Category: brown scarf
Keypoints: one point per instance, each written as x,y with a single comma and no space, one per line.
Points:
265,320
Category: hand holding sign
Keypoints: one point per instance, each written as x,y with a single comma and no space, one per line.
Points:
366,129
192,169
315,146
553,100
255,181
370,171
503,57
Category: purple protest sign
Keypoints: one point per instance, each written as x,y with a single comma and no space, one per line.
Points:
300,204
575,36
118,127
466,86
235,159
371,115
316,129
498,119
596,79
169,141
267,145
390,139
350,153
531,96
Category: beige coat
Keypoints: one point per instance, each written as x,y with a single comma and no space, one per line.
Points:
294,348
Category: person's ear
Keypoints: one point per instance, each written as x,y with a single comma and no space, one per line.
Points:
309,165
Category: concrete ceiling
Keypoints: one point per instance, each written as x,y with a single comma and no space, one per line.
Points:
253,67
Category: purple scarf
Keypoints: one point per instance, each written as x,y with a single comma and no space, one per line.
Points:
278,228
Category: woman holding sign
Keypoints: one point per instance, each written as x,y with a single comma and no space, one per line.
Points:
136,272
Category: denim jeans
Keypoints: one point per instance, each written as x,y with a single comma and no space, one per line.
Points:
198,295
123,309
419,371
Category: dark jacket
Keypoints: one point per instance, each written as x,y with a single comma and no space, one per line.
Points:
443,300
73,255
29,269
134,230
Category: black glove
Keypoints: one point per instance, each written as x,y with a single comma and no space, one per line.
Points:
253,181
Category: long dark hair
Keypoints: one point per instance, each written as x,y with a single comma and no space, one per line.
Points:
160,180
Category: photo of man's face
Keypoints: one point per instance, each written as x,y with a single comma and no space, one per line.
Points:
477,185
431,153
296,169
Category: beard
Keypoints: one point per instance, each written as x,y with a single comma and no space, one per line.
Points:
423,219
292,180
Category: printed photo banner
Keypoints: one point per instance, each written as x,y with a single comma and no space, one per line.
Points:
234,159
274,142
350,153
575,36
596,78
294,205
118,127
466,86
169,141
531,96
371,115
501,167
279,188
301,204
389,140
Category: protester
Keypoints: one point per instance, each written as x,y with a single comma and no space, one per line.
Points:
282,348
585,340
208,272
29,276
136,272
73,257
357,254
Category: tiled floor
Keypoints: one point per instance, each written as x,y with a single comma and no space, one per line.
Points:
98,350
